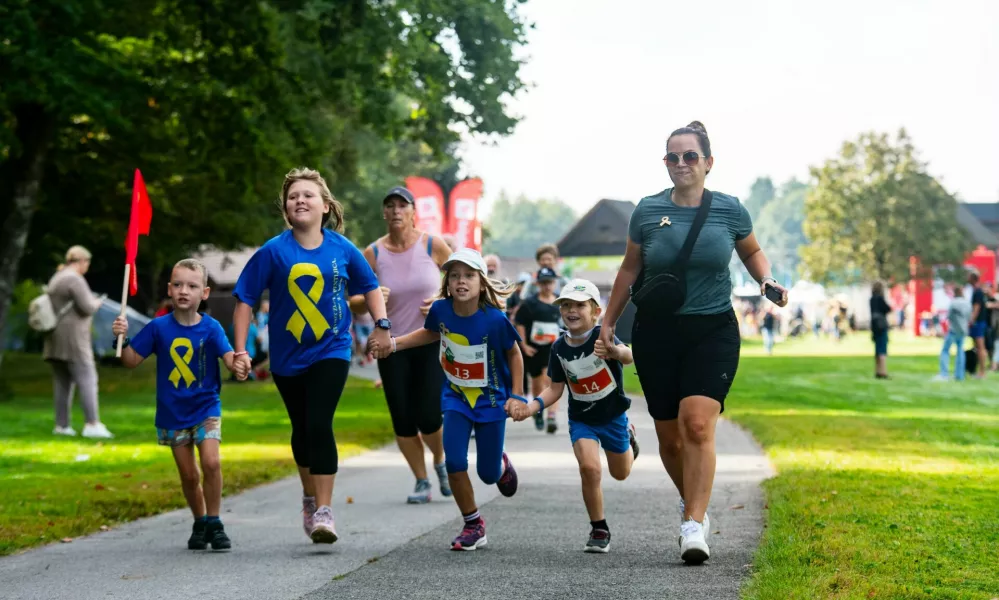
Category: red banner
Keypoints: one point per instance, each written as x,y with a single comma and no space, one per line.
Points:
138,224
429,205
463,220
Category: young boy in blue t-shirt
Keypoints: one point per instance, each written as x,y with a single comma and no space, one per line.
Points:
188,346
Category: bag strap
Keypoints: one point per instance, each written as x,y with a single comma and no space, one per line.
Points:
695,230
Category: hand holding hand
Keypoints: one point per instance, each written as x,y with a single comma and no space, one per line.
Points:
380,343
241,367
602,350
606,336
517,410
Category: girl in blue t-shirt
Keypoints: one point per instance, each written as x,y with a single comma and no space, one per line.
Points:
310,272
188,405
484,369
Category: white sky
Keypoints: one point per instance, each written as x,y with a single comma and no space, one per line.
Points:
779,84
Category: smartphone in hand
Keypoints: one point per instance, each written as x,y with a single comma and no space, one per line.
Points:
773,294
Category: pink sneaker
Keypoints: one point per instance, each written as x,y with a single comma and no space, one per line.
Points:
308,514
323,531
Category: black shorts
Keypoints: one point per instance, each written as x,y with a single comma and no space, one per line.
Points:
537,365
685,355
412,380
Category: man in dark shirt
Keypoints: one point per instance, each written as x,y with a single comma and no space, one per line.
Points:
979,321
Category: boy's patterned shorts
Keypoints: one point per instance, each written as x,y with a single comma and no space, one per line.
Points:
209,429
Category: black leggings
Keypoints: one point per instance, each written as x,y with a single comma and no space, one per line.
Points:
412,381
311,398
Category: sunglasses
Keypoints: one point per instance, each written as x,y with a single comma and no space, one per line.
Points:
689,157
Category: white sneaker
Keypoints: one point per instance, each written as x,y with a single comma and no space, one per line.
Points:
98,431
63,431
693,545
323,531
939,377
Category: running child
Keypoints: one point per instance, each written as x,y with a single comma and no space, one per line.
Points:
188,346
484,370
597,403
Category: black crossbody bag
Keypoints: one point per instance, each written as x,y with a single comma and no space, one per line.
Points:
666,292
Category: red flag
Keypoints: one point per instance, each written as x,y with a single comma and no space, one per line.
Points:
138,224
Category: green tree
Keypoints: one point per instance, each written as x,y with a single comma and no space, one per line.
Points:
761,193
214,100
780,226
872,208
517,228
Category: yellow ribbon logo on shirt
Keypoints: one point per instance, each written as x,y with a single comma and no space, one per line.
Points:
307,313
181,371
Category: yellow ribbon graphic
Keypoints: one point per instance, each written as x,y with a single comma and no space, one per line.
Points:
181,370
307,313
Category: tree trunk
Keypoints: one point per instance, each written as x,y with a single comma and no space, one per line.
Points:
24,177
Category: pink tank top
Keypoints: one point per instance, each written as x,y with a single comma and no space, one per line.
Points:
412,276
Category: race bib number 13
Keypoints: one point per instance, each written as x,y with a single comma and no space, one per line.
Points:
465,366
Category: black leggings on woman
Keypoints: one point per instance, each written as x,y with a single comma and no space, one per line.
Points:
311,398
412,381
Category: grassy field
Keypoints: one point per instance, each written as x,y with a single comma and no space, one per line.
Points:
52,488
885,489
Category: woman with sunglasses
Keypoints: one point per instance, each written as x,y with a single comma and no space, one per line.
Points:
685,335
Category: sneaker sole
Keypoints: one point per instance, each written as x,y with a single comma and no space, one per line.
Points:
695,554
597,549
479,544
323,536
221,547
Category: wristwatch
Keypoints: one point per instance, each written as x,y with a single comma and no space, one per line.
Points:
383,324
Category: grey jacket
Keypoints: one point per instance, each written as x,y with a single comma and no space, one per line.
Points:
958,316
71,340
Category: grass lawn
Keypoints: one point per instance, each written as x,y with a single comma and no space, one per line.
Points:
885,489
52,487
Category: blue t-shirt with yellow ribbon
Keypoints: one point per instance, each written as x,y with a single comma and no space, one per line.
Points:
473,355
188,382
310,317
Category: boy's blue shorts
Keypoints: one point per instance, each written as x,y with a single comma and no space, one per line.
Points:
613,436
209,429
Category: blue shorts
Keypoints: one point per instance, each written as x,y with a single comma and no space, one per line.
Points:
977,329
209,429
613,436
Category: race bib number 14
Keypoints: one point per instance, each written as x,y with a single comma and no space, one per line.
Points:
589,378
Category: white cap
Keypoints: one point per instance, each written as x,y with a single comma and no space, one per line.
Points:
579,290
469,257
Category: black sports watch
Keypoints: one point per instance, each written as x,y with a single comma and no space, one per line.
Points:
383,324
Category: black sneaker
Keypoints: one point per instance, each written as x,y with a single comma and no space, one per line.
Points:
215,535
599,541
539,420
633,439
552,425
197,539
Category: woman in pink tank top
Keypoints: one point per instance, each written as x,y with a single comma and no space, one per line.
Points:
408,265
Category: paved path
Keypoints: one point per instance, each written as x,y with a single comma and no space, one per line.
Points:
391,550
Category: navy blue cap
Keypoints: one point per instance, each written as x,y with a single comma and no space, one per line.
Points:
400,192
544,274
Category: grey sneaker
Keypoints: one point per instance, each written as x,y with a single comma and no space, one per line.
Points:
421,494
599,541
323,530
442,480
308,512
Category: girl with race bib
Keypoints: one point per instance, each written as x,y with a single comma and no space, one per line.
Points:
593,373
537,322
484,369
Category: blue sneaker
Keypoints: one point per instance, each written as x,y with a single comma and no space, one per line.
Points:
420,495
472,536
442,480
507,483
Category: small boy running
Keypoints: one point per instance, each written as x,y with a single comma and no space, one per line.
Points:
188,346
597,403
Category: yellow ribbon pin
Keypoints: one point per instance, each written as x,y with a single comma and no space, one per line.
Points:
181,371
307,313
